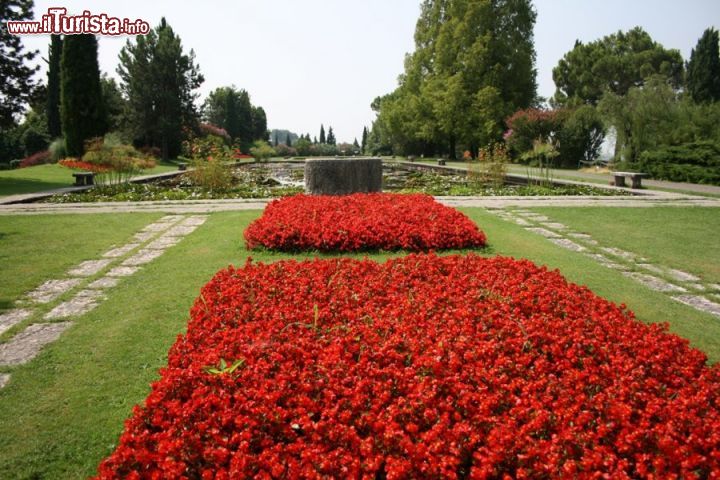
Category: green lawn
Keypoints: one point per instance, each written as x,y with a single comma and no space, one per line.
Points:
63,412
682,238
49,177
38,248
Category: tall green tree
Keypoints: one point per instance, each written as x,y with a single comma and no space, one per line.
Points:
364,140
16,83
53,86
160,83
331,137
288,140
259,123
703,69
614,63
473,65
82,109
115,105
322,133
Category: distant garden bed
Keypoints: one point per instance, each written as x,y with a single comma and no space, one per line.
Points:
273,180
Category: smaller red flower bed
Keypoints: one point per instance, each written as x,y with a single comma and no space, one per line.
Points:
80,165
362,221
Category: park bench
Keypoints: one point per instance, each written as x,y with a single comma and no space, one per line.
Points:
636,178
441,161
182,166
84,178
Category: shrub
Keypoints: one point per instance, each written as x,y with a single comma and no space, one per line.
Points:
420,367
696,162
57,150
37,158
362,221
118,163
491,165
282,150
262,151
208,129
212,175
531,124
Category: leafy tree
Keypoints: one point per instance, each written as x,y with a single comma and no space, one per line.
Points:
53,86
16,84
159,81
331,137
81,107
615,63
322,134
580,136
703,69
259,123
473,65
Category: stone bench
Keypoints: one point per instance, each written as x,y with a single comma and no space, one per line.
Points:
636,178
182,166
84,178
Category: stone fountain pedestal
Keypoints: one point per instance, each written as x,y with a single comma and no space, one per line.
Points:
342,176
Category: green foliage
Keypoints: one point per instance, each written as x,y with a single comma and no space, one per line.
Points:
57,150
331,137
34,136
363,145
16,84
491,165
259,123
696,162
212,175
159,81
115,104
224,368
322,133
81,106
615,63
231,109
10,145
118,162
580,137
262,151
303,147
473,65
703,69
53,86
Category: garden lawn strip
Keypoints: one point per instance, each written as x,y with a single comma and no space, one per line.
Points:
63,412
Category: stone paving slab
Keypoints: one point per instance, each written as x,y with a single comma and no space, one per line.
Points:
195,220
170,219
603,260
569,244
82,303
4,379
52,289
621,253
681,276
121,251
12,318
89,268
27,344
122,271
156,227
163,242
104,282
142,257
654,283
144,236
534,216
180,230
544,232
555,225
700,303
521,222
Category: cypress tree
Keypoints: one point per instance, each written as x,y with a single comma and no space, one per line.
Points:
81,103
703,69
364,139
322,133
331,137
288,140
53,95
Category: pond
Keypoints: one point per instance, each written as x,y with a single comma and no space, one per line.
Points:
277,179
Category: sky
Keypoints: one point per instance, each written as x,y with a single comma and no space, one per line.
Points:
312,62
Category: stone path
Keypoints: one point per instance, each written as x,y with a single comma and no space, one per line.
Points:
681,286
86,285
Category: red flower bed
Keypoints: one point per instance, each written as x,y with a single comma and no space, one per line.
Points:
422,367
362,221
80,165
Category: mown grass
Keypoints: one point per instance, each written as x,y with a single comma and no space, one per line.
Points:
63,412
684,238
35,248
50,177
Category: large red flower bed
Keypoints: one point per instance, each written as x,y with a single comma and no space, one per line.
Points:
362,221
422,367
